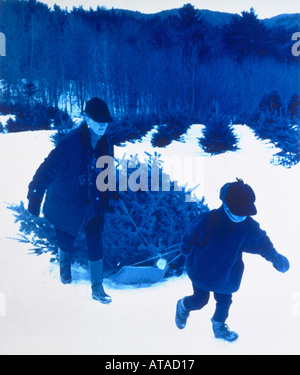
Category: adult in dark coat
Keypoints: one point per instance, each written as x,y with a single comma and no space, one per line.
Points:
214,246
68,177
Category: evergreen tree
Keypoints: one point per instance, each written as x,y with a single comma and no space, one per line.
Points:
171,128
283,132
294,107
145,225
37,117
270,102
191,30
131,128
30,90
247,36
13,126
218,136
35,231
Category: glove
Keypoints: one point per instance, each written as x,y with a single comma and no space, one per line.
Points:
281,263
34,206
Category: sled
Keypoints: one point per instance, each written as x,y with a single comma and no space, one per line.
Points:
138,275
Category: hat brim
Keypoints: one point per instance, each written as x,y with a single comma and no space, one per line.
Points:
247,210
101,119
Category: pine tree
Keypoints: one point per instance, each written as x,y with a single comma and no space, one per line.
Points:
144,225
30,89
247,36
35,231
171,128
270,102
283,132
218,136
192,30
294,107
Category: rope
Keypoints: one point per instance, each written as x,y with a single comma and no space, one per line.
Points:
177,256
157,256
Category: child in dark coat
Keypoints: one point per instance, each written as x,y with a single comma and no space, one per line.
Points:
213,247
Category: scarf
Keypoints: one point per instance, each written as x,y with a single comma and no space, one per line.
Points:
90,154
232,217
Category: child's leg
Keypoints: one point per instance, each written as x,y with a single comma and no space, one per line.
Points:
224,302
197,301
65,243
221,330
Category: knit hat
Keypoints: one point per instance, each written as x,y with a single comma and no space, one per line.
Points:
239,198
98,110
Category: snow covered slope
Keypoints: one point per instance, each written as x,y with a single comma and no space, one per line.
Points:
39,315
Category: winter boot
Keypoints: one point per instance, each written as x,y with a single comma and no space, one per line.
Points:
96,275
182,314
65,266
221,331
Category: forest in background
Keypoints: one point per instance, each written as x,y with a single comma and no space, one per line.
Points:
179,61
170,69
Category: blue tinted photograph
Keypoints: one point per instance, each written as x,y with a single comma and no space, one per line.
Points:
150,174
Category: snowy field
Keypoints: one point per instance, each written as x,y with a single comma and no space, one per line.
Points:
39,315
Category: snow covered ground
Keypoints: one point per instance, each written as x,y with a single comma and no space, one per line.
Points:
39,315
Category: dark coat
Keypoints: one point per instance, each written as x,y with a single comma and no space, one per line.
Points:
68,177
214,246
